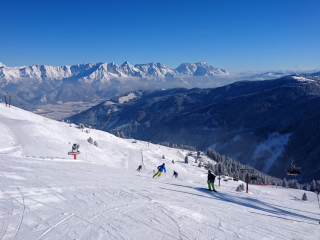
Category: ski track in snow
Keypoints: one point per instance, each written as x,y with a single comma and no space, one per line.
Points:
45,194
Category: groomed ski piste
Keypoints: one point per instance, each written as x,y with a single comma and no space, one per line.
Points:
45,194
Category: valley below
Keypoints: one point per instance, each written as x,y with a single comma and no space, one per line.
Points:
63,110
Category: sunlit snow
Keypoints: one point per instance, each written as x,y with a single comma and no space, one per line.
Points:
45,194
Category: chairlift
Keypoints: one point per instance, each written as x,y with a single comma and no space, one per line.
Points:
253,178
293,170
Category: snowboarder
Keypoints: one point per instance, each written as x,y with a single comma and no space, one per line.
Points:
139,168
160,170
175,174
210,181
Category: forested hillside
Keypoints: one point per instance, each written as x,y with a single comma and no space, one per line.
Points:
264,124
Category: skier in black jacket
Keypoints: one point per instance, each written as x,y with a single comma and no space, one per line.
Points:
210,181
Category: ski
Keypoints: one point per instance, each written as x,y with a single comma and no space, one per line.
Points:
209,190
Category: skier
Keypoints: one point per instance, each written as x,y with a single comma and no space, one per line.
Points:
210,181
175,174
139,168
160,170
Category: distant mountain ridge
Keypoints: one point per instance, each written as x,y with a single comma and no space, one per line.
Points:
273,74
89,72
92,82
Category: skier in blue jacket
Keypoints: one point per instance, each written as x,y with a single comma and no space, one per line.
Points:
161,168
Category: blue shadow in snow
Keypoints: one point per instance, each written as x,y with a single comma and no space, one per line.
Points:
248,202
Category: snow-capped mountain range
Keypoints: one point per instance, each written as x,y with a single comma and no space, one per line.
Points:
91,82
90,72
94,82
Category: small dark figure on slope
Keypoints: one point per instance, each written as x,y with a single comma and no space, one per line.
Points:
175,174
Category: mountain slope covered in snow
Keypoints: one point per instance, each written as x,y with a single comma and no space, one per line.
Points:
261,123
45,194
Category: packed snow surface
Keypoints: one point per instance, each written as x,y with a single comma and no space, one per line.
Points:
45,194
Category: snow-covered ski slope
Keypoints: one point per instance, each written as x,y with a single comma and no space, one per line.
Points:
45,194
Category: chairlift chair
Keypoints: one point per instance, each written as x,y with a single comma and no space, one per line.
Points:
253,178
293,170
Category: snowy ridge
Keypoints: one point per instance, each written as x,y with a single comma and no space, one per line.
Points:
199,69
45,194
90,72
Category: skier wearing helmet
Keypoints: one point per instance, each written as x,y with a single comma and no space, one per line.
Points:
210,181
161,168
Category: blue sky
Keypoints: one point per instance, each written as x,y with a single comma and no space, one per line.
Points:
234,35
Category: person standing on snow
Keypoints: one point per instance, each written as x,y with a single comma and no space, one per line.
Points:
175,174
210,181
160,170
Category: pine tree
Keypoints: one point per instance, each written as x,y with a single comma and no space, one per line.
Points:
291,183
95,143
304,197
186,159
122,135
285,183
313,187
90,140
239,188
118,134
210,166
200,164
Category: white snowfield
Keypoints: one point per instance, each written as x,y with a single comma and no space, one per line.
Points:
45,194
